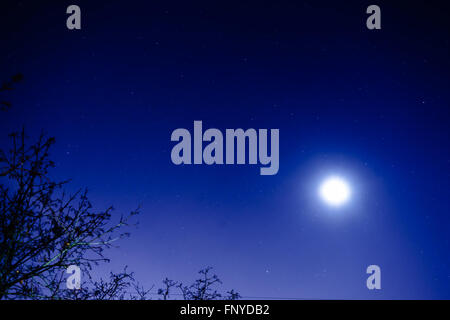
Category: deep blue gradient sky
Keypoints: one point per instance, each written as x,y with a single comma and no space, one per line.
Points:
372,106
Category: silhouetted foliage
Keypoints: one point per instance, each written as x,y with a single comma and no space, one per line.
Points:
7,86
202,288
42,229
119,286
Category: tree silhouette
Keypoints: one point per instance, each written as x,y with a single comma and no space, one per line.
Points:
8,86
43,230
202,288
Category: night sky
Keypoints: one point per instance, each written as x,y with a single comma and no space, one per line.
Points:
369,105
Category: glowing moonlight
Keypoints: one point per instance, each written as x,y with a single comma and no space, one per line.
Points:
335,191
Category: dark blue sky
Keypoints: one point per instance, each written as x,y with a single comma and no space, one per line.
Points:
372,106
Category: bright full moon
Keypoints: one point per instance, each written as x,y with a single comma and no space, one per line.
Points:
335,191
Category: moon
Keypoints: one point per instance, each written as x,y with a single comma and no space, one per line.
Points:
335,191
